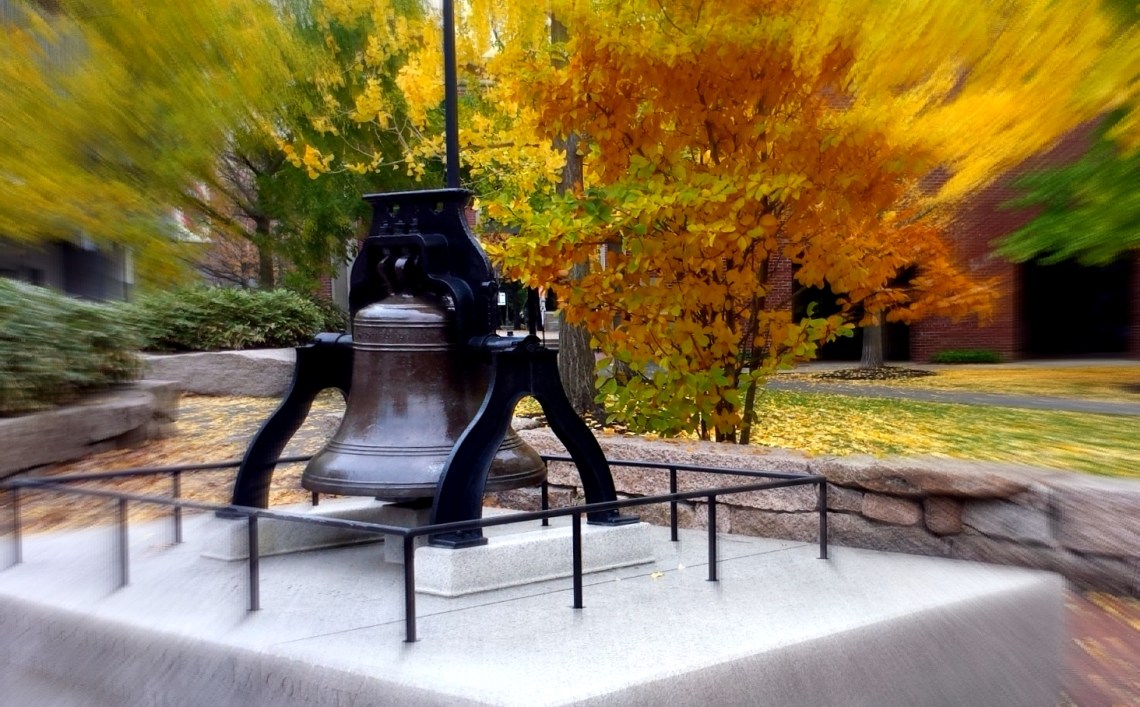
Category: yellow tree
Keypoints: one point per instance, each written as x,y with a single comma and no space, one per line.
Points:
110,110
379,97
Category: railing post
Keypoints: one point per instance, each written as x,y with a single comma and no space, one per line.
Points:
673,504
17,531
712,538
254,563
409,589
823,520
545,501
576,543
176,491
123,541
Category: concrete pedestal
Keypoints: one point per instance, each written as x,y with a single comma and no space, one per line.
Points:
781,627
229,540
514,555
511,559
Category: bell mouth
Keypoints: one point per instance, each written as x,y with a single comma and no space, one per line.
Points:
403,492
407,473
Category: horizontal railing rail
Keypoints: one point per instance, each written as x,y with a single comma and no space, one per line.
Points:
639,463
147,471
66,485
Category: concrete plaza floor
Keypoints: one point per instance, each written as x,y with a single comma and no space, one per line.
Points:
780,627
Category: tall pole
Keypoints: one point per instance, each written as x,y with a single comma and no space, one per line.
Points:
450,95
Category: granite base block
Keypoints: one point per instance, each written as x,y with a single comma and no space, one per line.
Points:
228,539
513,559
405,517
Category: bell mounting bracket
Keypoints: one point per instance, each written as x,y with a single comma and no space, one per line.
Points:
419,242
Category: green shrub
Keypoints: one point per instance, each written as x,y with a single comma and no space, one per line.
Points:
54,348
215,319
333,318
966,356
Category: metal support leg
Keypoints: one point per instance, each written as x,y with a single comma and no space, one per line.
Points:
176,492
17,531
712,538
521,369
545,502
409,589
123,542
254,564
325,363
673,505
823,520
577,553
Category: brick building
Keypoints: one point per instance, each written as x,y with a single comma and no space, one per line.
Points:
1063,310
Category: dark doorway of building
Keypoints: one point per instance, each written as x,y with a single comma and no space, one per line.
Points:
1069,309
896,337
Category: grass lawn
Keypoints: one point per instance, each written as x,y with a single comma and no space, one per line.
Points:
828,424
823,423
1115,383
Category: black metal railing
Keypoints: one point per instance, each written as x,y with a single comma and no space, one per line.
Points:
15,487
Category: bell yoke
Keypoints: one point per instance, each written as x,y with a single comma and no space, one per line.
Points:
430,387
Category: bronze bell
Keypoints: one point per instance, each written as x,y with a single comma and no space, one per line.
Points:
414,392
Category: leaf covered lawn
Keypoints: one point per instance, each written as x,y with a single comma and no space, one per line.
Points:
209,429
219,428
826,424
1114,383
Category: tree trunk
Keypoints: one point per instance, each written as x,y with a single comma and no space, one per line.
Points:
575,355
755,355
265,272
576,364
576,368
872,345
266,277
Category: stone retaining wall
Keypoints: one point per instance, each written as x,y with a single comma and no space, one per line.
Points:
1084,527
258,372
127,415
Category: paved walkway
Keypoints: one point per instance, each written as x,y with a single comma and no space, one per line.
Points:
1033,402
1102,659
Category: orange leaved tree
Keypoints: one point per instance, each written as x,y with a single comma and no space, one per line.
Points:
721,142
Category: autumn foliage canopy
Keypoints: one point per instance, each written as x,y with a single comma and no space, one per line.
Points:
721,142
722,146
